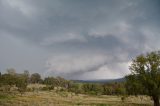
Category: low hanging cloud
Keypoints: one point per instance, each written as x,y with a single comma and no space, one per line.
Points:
66,64
91,66
78,65
109,71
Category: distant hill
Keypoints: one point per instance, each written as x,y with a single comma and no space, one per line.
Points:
101,80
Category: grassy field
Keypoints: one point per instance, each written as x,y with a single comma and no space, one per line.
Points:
53,98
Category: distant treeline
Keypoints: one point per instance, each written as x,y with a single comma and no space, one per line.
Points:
19,82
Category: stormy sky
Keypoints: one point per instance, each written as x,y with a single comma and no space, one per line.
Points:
77,39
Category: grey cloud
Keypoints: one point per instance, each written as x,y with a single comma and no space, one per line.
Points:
119,29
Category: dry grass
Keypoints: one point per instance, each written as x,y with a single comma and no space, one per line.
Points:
53,98
36,86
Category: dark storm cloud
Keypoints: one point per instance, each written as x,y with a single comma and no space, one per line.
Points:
75,34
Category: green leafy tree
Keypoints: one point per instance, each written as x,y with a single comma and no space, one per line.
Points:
94,89
35,78
75,87
60,81
49,81
26,75
7,81
21,84
107,90
145,76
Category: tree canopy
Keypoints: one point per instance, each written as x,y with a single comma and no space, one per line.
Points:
145,76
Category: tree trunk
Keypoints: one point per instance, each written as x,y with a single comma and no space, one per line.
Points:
156,101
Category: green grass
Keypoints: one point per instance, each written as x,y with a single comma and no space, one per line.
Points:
2,96
6,96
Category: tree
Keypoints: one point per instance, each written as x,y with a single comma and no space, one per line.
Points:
35,78
8,81
26,75
21,83
75,87
50,82
145,76
91,88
